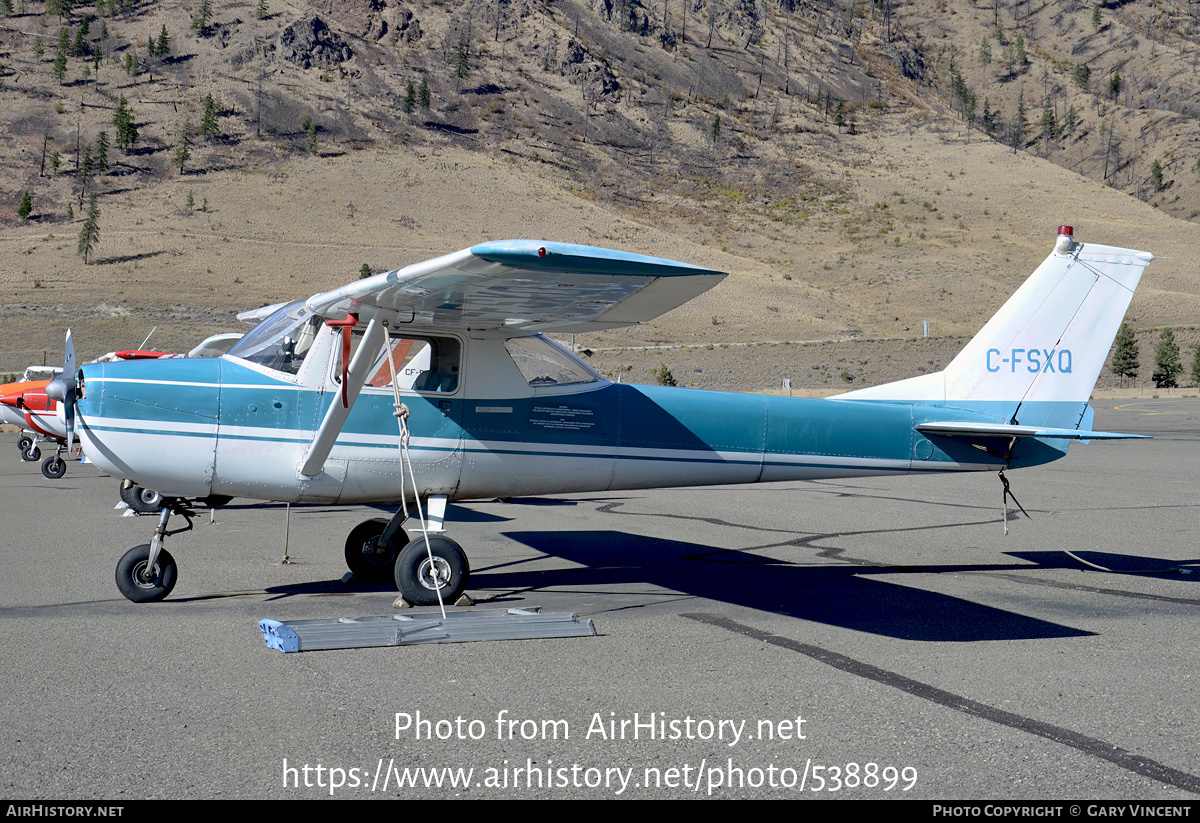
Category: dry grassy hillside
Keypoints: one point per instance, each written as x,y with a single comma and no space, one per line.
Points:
818,152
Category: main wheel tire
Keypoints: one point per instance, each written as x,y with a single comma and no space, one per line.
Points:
372,560
142,500
24,443
145,589
54,467
415,576
32,454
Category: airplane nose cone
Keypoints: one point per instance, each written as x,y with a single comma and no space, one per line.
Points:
56,389
10,400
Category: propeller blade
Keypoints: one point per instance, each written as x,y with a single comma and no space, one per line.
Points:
69,381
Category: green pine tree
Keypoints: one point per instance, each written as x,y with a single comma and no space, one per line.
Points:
1050,128
89,234
1081,75
1114,85
1020,124
1167,366
209,127
410,98
985,51
310,140
1156,175
101,159
84,172
164,42
462,58
60,57
261,10
202,17
1195,357
1125,354
365,271
424,97
26,207
126,124
183,150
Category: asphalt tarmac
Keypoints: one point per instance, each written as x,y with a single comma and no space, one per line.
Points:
868,638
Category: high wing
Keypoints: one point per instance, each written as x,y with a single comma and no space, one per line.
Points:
525,286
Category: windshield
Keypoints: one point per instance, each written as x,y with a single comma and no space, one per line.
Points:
282,340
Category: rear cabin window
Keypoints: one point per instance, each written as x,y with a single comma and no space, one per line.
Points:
545,363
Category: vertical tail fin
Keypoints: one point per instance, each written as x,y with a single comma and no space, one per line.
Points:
1037,360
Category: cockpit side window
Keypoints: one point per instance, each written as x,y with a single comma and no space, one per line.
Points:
423,364
282,341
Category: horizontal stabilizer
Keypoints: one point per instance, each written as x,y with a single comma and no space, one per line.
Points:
963,429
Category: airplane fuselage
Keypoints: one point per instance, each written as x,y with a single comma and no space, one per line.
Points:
224,426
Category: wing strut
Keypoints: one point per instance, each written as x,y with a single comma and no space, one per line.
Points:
352,383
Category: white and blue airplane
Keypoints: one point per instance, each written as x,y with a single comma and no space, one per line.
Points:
311,406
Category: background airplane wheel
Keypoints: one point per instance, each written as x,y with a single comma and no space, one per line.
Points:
141,500
31,454
371,560
134,586
24,443
54,467
415,575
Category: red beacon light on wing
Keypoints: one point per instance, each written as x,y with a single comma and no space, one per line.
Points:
1066,240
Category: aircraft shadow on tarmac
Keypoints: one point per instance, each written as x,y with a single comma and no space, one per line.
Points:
837,595
1182,570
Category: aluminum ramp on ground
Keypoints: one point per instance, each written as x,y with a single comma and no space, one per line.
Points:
428,627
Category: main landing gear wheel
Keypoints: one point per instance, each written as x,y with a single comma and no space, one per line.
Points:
54,467
32,454
24,444
143,585
419,580
367,556
142,501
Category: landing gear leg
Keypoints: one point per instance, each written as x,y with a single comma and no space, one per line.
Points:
147,573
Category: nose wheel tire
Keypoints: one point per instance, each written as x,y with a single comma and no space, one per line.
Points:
54,467
367,556
142,584
24,443
32,454
419,580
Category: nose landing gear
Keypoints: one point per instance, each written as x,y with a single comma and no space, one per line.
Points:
147,573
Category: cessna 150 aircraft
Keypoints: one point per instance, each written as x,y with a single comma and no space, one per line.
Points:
433,383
